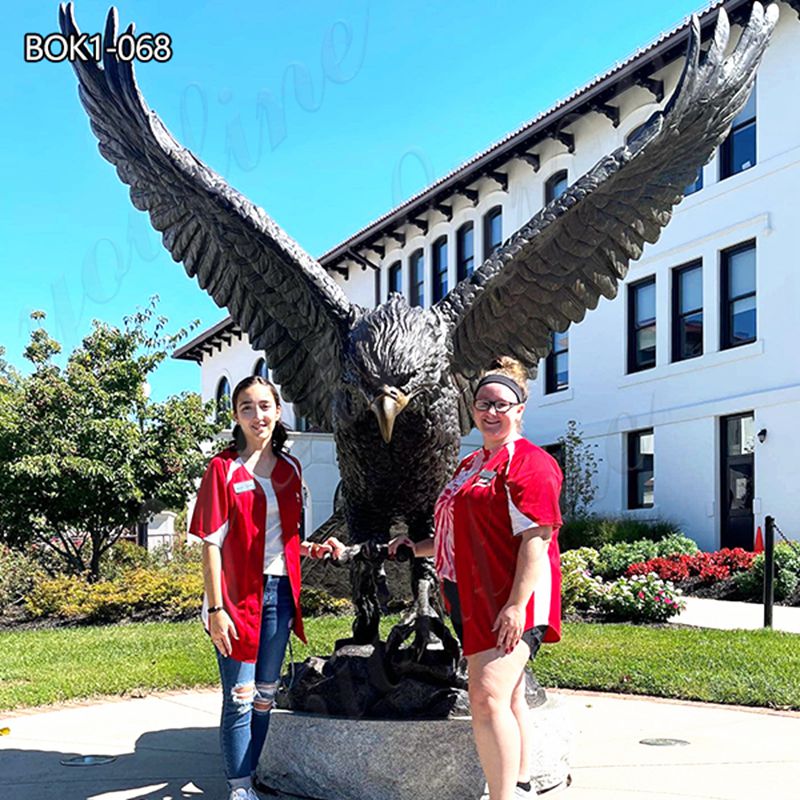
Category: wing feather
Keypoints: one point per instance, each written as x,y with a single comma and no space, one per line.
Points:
276,292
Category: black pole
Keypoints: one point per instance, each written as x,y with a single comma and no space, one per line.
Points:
769,569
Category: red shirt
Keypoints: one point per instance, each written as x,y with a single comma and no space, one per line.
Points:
231,512
516,488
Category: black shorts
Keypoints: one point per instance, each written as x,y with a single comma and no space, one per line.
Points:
533,637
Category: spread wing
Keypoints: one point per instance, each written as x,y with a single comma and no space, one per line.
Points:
285,301
579,247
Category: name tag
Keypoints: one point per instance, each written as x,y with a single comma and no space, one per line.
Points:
244,486
485,477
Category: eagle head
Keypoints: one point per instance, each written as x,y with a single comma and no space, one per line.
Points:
395,355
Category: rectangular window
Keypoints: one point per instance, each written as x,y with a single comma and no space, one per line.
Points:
416,292
557,363
738,151
439,252
394,278
465,251
642,325
641,486
738,295
492,231
377,287
687,311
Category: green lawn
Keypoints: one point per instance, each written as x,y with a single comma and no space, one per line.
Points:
751,668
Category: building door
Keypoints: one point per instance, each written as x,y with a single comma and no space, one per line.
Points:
738,480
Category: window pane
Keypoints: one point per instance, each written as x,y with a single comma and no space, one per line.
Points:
645,303
492,232
466,252
691,291
647,445
261,368
417,264
562,370
741,435
691,335
646,346
560,341
223,400
556,186
748,112
394,278
742,272
439,269
645,487
743,149
740,488
696,185
743,319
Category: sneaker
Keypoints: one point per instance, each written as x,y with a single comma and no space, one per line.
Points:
242,793
522,793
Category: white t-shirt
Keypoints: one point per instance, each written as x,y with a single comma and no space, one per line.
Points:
274,560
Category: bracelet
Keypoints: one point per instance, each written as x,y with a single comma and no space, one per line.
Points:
214,609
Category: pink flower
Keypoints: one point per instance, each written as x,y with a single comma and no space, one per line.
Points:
640,595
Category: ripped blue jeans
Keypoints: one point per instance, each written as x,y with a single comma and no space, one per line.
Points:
248,690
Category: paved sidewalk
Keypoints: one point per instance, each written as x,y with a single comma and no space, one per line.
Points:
728,615
166,748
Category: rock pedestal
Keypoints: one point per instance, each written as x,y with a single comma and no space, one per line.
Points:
334,758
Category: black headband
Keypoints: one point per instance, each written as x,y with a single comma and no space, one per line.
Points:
504,380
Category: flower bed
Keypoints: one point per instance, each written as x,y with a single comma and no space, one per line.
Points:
708,567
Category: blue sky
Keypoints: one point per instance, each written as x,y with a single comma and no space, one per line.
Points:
326,114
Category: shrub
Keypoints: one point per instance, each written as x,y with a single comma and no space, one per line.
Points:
18,571
787,574
614,559
643,598
595,531
122,557
141,592
314,601
579,588
676,543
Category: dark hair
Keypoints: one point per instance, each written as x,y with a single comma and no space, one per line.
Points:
513,369
280,433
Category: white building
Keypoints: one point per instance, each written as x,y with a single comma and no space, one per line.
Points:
688,382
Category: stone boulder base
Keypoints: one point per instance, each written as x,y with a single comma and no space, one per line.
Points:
332,758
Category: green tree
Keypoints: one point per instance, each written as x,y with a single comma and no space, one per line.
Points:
84,454
579,464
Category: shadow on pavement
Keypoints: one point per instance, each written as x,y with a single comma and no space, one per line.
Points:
166,765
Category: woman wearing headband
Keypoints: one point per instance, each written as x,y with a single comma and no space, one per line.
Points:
496,551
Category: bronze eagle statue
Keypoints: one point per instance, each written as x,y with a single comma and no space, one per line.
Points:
393,383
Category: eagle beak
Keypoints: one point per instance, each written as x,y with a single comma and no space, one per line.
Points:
386,406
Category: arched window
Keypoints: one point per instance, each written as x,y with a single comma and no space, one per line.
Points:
492,231
222,400
261,368
556,186
394,278
465,251
439,251
416,286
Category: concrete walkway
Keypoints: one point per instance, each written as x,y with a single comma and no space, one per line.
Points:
166,748
728,615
